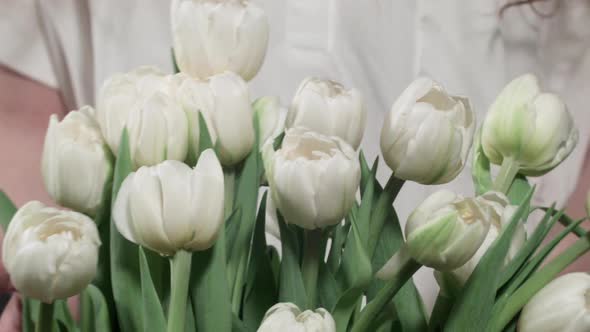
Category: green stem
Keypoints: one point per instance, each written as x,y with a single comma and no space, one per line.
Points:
229,180
45,318
180,270
310,266
507,173
407,268
541,278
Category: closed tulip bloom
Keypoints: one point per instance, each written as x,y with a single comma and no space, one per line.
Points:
143,101
224,102
328,108
49,253
561,306
212,36
270,116
171,207
76,163
313,178
500,217
427,135
286,317
530,128
446,230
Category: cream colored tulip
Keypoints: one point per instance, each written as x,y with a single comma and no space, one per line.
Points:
76,163
271,118
171,207
49,253
286,317
561,306
427,135
330,109
446,230
224,102
212,36
500,217
313,178
144,101
531,128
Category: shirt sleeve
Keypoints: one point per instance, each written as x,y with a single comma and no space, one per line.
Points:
23,47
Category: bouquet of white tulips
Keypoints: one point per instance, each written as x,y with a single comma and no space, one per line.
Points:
174,182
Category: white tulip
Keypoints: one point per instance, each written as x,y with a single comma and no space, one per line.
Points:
224,102
76,163
561,306
49,253
446,230
171,207
144,101
286,317
500,217
271,118
328,108
313,178
529,127
212,36
427,135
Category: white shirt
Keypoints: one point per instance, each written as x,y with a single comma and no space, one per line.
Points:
377,46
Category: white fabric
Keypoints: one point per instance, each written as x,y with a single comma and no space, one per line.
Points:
377,46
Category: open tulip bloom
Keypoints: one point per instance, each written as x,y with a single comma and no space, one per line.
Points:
176,179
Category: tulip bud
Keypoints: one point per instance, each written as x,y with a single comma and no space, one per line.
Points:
500,217
313,178
169,207
212,36
427,134
74,149
447,229
144,102
326,107
270,116
532,128
563,305
286,317
49,253
224,102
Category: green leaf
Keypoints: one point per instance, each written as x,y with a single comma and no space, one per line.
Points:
247,200
566,221
535,262
205,141
103,269
381,210
261,290
95,313
291,287
440,312
407,302
339,235
328,291
237,325
208,289
174,63
529,247
152,312
232,225
7,210
473,306
357,272
480,169
125,273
